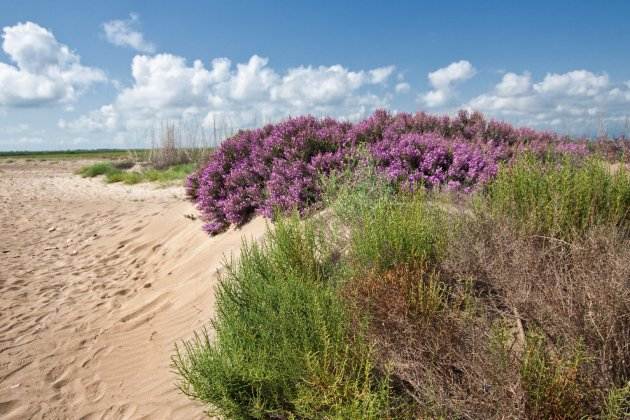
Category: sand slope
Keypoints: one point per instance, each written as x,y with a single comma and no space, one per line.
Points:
97,282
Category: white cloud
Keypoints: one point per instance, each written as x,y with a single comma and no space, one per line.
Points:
45,71
443,80
166,87
308,86
576,101
573,83
454,72
381,74
514,84
402,87
124,33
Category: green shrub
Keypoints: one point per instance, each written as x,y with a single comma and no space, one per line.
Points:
617,404
397,230
562,199
282,346
173,173
114,172
386,227
102,168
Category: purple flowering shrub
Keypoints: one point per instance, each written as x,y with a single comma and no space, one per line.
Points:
278,167
432,161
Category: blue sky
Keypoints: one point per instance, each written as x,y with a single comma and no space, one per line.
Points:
103,74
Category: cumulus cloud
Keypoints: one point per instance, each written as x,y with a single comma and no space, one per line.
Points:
45,71
444,79
573,83
124,33
165,86
572,101
514,84
402,87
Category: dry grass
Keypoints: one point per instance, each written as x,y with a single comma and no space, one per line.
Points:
176,144
506,325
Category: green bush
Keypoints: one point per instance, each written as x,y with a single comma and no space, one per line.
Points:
617,404
560,200
114,173
386,227
102,168
396,230
282,347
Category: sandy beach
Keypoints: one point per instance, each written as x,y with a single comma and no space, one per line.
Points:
97,283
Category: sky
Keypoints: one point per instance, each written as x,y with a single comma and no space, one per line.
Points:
77,74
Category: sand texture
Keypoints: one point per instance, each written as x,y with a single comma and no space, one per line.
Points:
97,283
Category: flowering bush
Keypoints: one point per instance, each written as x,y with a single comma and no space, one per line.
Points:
277,167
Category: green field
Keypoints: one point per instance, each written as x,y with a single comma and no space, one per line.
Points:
74,154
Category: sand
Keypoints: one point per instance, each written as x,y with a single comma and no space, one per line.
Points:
97,283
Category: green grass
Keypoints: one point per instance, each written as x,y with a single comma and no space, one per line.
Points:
388,228
74,154
395,231
552,385
560,200
283,346
96,169
617,404
113,174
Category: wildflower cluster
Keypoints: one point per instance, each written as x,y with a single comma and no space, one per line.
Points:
277,167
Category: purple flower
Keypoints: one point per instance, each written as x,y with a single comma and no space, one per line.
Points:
277,167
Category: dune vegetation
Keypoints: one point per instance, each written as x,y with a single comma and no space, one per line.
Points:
418,267
119,172
177,151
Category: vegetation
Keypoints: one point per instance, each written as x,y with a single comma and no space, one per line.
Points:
283,345
278,167
561,200
74,154
114,173
512,302
177,151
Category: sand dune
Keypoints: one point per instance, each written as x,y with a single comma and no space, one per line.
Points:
97,283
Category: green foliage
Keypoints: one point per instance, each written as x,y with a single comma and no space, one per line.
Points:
560,200
387,227
617,404
394,231
282,344
553,385
172,173
96,169
75,154
115,174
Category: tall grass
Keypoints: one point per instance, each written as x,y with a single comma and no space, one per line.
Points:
174,144
561,200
